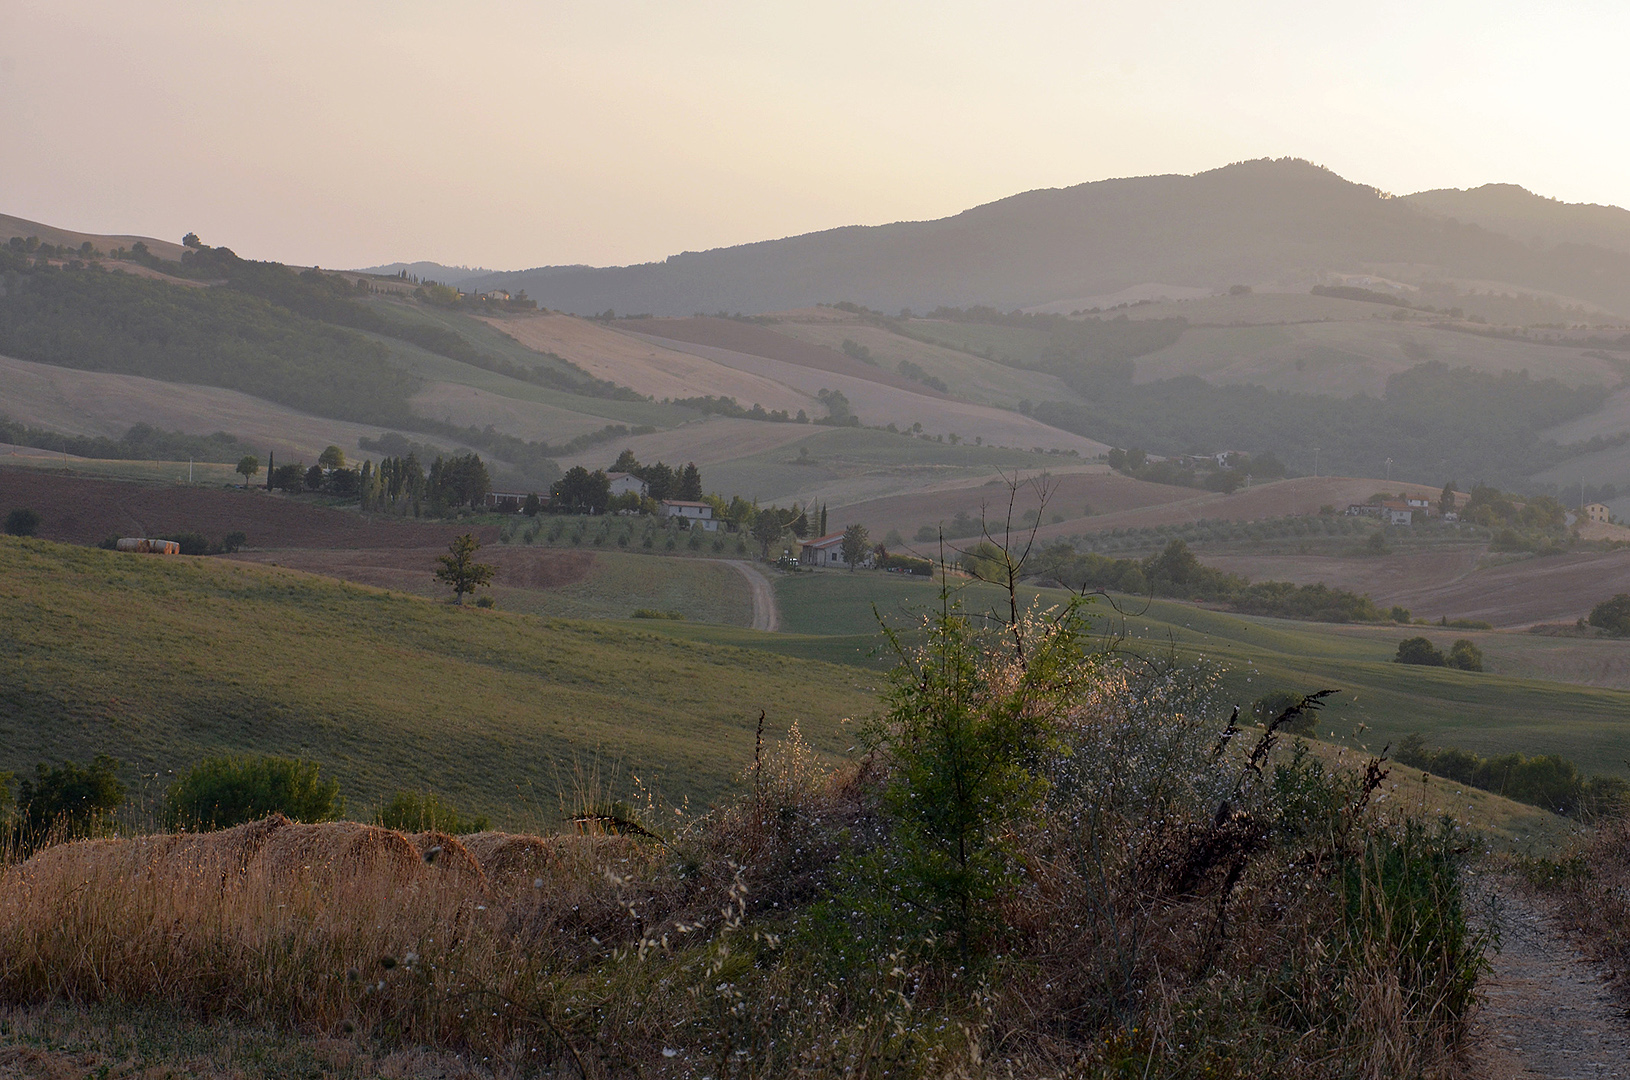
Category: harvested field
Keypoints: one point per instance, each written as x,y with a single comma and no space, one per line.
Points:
878,403
1558,588
50,234
472,406
1345,358
1388,579
972,377
83,511
100,403
705,442
756,340
1071,493
643,366
1280,498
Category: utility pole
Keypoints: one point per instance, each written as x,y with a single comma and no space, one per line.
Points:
1389,470
1315,463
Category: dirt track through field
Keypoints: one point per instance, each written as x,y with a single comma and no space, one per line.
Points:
1547,1010
766,616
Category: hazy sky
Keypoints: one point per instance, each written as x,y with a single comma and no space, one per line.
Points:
512,135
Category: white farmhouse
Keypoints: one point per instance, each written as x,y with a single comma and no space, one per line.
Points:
622,483
698,514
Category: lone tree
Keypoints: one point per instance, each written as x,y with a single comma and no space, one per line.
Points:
1418,650
248,465
22,522
460,571
332,458
856,543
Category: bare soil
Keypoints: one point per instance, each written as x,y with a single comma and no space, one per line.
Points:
756,340
646,367
84,511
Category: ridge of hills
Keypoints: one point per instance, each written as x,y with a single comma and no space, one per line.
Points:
1284,222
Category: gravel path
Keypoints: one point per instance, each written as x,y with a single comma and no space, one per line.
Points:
766,616
1547,1009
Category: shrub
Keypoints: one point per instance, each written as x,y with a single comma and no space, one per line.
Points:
654,613
485,601
1418,650
1465,656
191,543
234,541
22,522
413,812
1610,615
218,793
67,801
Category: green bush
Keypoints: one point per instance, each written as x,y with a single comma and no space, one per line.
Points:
66,801
218,793
1465,656
1610,615
22,522
1418,650
411,812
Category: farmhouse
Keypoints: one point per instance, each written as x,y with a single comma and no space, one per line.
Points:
696,514
622,483
823,551
508,502
1597,513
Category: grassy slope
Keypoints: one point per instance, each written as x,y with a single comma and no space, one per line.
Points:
1483,712
163,661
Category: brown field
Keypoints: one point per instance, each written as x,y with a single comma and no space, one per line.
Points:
756,340
1387,579
99,403
1553,589
1280,498
1356,357
82,511
16,226
878,404
1070,493
705,442
645,367
975,378
470,406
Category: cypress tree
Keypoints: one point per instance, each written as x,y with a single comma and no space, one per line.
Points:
271,467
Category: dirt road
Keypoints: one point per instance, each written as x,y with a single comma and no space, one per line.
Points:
1547,1009
765,614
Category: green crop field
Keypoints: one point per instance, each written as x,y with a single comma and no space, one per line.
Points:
618,584
161,661
1380,701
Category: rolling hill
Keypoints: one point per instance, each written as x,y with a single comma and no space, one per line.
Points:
1266,221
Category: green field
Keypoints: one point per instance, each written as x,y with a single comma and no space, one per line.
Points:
1379,703
618,584
162,661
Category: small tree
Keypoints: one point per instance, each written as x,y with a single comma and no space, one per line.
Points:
768,526
22,522
1465,656
460,571
1418,650
532,506
1610,615
332,458
856,544
248,466
67,798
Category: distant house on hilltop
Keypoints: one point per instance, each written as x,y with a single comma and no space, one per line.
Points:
697,514
622,483
1598,514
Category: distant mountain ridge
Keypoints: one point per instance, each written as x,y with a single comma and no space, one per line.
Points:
1284,220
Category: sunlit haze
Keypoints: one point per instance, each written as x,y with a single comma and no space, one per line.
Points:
511,135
